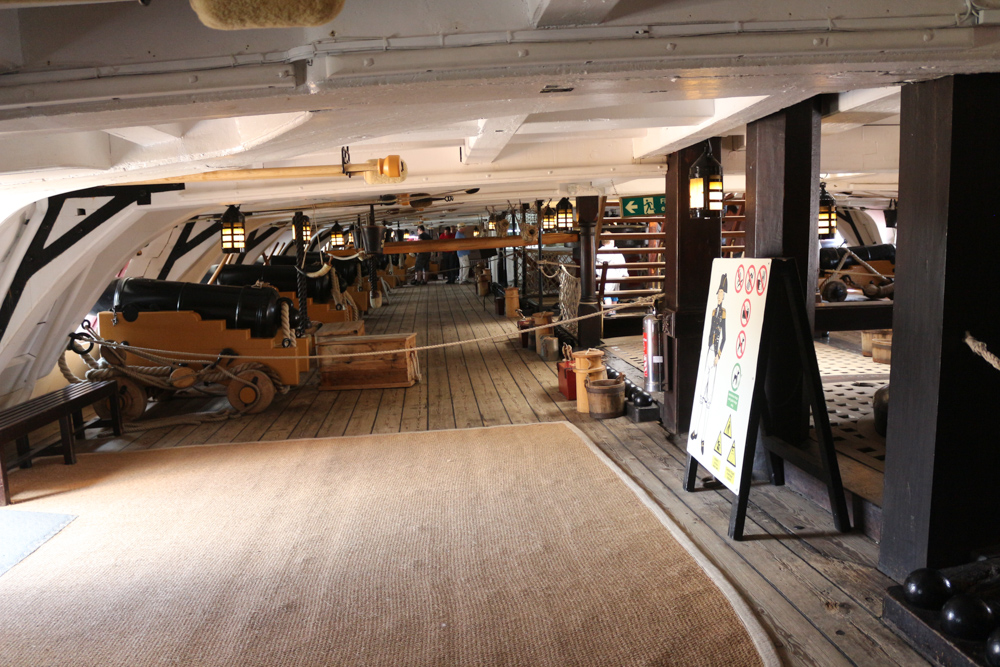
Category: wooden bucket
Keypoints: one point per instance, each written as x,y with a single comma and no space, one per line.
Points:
868,336
589,364
606,397
550,349
538,319
512,301
882,351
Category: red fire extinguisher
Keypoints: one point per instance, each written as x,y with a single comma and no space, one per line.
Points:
652,360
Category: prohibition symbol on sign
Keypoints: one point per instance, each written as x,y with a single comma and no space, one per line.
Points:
737,375
745,312
761,280
741,344
750,280
740,277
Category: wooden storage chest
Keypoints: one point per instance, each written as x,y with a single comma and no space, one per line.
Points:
397,367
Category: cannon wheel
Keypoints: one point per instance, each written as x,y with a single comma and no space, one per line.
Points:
132,400
253,397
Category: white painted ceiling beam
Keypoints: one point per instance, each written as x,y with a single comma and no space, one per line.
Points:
730,113
550,13
856,108
494,134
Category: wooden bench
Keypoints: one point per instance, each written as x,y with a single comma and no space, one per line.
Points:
65,406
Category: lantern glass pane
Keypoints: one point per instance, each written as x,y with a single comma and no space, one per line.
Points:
697,193
233,237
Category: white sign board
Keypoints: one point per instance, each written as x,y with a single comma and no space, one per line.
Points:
727,371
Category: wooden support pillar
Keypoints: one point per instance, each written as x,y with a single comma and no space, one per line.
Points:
588,331
689,248
781,221
942,497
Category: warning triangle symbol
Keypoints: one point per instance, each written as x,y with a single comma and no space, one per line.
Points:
731,459
729,427
718,445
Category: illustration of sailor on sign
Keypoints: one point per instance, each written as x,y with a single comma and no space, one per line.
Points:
713,350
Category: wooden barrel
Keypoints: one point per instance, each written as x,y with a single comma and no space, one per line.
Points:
512,301
606,397
882,351
540,318
589,364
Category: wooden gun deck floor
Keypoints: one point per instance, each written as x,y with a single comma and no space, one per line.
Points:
817,591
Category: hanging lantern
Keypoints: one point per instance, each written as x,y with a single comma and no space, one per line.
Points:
549,223
492,224
564,215
706,185
338,240
827,213
233,230
305,228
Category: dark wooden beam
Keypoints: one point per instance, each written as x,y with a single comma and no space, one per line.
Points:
942,497
589,331
781,221
853,315
689,247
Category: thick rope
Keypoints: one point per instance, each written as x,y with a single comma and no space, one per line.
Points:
67,373
286,325
979,347
153,353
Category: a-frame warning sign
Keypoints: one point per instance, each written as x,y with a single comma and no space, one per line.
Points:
772,286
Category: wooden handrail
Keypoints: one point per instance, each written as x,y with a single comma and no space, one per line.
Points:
632,236
637,279
639,265
475,243
631,251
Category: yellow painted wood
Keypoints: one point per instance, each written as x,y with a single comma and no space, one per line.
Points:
184,332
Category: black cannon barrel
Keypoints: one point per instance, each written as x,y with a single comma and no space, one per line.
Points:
255,308
830,257
283,278
313,260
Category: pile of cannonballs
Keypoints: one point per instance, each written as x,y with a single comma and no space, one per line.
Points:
974,617
633,392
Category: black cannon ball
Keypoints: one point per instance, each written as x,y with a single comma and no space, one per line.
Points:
612,374
927,588
993,649
629,390
880,406
967,617
642,399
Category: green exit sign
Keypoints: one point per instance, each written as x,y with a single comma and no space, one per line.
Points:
638,206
